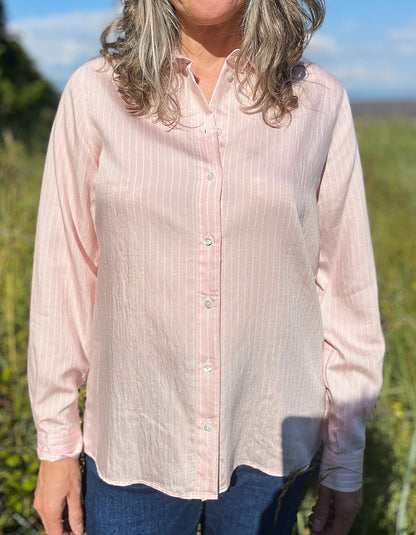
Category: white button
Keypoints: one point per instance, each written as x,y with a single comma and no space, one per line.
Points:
208,240
219,131
207,427
208,367
230,76
207,303
210,175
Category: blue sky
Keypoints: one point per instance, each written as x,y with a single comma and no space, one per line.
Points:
370,45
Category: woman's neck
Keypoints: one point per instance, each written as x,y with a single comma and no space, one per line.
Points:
208,46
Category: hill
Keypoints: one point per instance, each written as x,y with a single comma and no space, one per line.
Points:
384,108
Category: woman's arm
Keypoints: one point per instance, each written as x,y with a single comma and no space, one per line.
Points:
62,301
354,345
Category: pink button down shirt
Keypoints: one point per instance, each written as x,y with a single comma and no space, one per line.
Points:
215,283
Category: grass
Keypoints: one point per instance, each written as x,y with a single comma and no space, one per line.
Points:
19,192
389,162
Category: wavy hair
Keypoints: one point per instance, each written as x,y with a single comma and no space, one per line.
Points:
140,46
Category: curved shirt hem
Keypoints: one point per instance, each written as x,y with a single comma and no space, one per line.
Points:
192,495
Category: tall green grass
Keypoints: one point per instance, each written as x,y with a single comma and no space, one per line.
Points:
20,175
388,152
389,162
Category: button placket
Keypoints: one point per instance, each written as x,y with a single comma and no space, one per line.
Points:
207,401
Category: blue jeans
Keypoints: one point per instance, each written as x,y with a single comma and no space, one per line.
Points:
247,508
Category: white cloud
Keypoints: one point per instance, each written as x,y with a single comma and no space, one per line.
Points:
369,67
406,33
61,43
322,44
359,72
406,49
403,39
348,25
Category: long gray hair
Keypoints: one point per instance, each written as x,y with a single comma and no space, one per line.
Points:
274,34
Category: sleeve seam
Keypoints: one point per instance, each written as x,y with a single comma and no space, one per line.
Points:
85,119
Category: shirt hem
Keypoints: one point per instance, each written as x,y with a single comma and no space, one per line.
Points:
191,495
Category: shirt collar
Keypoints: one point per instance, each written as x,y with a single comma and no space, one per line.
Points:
185,63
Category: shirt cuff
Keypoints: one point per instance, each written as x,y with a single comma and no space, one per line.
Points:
341,471
56,447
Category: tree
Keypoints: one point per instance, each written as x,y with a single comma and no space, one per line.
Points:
2,17
27,100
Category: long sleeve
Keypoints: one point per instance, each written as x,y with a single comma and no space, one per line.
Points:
64,279
347,287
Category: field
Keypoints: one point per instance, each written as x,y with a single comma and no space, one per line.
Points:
389,160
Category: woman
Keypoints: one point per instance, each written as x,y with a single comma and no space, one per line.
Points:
203,256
